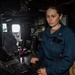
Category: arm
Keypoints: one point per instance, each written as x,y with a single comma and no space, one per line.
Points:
40,53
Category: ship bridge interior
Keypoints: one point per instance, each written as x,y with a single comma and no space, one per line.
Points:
21,25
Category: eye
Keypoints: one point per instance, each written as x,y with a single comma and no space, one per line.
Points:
53,16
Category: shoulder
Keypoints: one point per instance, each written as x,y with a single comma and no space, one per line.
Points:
68,33
67,30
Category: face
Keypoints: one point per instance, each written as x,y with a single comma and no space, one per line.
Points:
53,17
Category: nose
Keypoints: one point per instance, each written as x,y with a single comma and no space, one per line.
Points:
50,19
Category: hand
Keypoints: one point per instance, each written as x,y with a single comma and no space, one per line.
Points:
33,60
42,71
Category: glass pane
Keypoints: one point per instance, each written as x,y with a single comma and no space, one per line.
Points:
15,28
4,27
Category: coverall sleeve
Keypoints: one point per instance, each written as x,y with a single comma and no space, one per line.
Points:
68,56
40,53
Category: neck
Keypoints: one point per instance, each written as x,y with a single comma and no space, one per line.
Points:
56,27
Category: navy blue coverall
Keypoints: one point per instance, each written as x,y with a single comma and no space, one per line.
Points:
57,50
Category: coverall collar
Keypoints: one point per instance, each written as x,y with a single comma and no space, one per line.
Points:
55,34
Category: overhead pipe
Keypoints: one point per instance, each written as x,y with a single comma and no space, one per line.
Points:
69,2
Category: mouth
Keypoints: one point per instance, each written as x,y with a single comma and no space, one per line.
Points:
50,23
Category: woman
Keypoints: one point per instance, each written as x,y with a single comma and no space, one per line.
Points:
57,46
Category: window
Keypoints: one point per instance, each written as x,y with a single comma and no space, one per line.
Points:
15,28
4,27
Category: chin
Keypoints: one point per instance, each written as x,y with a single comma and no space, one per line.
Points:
51,25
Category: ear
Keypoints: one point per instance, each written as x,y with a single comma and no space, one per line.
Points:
61,16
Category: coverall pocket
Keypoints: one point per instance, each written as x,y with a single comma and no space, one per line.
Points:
57,48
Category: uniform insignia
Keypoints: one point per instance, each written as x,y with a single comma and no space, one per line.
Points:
60,34
51,44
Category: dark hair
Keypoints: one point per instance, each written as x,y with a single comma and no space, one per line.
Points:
57,8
